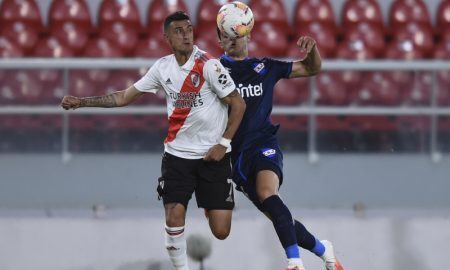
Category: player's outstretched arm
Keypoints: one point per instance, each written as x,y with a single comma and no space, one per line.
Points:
237,109
116,99
311,64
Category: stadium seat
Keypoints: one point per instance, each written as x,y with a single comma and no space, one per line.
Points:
406,11
71,34
258,50
51,47
101,47
355,50
323,34
81,84
273,36
23,34
442,52
403,49
443,15
291,92
269,11
357,11
26,11
206,31
123,35
74,11
151,47
332,123
28,90
331,90
159,9
125,11
419,35
207,11
309,11
372,123
379,89
210,46
8,49
365,36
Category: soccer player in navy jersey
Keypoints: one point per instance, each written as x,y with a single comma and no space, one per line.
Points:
256,155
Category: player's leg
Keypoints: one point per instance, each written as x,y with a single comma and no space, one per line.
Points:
267,184
215,194
175,187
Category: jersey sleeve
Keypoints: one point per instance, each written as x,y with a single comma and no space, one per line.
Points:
149,82
282,68
218,77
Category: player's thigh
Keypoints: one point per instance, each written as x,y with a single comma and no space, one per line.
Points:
177,181
220,222
267,184
214,188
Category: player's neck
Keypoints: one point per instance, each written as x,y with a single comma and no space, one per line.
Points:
182,57
238,57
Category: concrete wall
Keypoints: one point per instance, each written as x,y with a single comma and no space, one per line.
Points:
415,242
129,181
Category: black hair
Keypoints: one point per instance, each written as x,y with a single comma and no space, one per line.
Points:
176,16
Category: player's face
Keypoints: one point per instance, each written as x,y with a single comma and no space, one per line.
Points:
234,47
180,36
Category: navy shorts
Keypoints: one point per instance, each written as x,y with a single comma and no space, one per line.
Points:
247,164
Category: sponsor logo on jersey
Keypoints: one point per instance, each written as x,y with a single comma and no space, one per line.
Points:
217,68
250,90
268,152
186,99
223,79
168,81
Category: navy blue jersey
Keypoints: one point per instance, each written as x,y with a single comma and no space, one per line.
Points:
255,80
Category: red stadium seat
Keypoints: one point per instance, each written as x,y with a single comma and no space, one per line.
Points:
368,35
332,123
291,92
420,35
26,11
322,33
269,11
207,11
357,11
160,9
273,36
125,11
73,35
211,47
121,34
355,50
406,11
101,47
331,90
309,11
75,11
151,47
8,49
443,15
207,31
403,49
27,88
51,47
82,85
379,89
258,50
23,34
372,123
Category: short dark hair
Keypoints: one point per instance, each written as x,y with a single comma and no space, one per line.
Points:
176,16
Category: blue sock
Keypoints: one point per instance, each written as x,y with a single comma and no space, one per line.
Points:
319,248
307,241
284,225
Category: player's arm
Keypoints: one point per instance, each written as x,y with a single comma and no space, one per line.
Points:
311,64
115,99
237,108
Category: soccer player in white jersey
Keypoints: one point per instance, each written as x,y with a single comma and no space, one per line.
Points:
197,159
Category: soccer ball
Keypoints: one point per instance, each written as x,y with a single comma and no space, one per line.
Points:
235,19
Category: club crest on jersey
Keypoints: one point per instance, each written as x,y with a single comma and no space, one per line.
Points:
268,152
259,68
217,68
195,79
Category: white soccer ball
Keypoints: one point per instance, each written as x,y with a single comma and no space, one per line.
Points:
235,19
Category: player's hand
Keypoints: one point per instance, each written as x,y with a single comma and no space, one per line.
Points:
306,44
215,153
70,102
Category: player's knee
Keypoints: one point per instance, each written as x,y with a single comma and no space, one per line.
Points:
221,233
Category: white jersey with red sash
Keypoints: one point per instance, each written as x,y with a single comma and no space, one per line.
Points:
197,117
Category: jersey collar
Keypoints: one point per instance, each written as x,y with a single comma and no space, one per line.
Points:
229,59
190,62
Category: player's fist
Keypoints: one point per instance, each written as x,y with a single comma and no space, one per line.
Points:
306,44
215,153
70,102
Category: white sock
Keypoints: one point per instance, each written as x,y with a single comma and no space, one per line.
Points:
295,262
176,247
